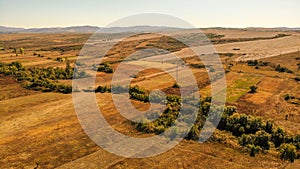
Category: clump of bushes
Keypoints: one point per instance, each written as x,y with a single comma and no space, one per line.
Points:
257,64
282,69
104,67
252,132
102,89
59,59
214,36
196,65
252,62
288,152
42,78
229,54
281,35
256,134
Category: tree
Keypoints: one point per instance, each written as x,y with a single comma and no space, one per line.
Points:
269,127
253,89
288,152
253,149
262,139
255,124
175,85
246,139
68,70
278,136
22,51
193,133
17,64
105,67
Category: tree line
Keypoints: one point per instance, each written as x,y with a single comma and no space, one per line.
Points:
44,79
253,133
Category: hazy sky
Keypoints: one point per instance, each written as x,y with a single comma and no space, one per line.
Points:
200,13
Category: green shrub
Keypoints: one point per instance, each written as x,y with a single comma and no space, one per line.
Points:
102,89
175,85
246,139
254,150
288,152
252,62
262,139
281,69
105,67
253,89
278,136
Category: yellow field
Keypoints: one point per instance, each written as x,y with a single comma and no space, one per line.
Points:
42,127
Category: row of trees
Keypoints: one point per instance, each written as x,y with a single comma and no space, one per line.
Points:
282,69
256,63
42,78
253,133
256,134
277,68
140,94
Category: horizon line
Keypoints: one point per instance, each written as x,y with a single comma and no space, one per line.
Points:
49,27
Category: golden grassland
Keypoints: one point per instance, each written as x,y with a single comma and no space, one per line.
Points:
42,127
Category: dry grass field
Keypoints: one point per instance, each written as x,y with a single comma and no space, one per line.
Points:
40,128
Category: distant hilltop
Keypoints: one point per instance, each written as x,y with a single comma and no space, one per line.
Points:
92,29
86,29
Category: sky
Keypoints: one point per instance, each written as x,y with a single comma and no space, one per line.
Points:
200,13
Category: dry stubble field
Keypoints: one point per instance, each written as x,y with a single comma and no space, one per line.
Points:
42,127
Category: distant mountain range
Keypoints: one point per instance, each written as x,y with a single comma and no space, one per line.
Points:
92,29
85,29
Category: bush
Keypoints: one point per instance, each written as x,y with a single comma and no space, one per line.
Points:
195,65
269,127
105,67
287,97
278,136
264,63
175,85
262,139
102,89
288,152
193,133
22,51
140,97
59,59
229,54
281,35
253,150
281,69
65,89
252,62
253,89
246,139
214,36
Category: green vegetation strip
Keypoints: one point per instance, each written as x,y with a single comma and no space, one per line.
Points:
253,133
44,79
